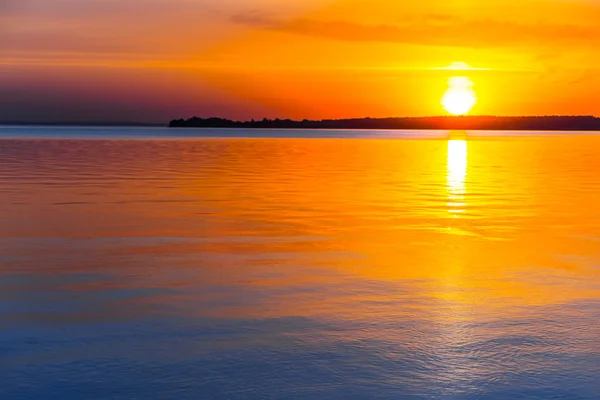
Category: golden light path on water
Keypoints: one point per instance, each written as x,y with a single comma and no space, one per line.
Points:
452,333
457,174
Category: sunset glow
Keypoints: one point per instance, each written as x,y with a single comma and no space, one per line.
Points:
297,59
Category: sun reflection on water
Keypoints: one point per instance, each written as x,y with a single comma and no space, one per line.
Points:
457,175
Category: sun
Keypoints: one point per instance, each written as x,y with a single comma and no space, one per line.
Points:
459,98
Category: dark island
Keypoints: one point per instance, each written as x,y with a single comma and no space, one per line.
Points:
545,123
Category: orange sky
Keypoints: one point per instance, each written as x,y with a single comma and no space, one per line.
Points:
153,60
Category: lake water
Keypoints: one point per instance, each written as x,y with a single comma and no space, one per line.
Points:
219,264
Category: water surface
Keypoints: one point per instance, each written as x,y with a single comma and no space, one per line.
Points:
298,265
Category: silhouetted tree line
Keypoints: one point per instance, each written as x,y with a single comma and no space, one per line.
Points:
546,123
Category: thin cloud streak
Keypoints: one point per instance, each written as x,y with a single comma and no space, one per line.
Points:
433,31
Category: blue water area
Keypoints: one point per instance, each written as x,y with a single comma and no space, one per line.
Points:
284,265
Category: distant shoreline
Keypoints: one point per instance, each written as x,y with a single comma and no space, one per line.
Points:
470,123
541,123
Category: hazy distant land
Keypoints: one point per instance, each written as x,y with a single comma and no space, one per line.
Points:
543,123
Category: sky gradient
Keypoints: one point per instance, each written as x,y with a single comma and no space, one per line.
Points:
155,60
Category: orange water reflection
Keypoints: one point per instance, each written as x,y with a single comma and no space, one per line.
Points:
354,228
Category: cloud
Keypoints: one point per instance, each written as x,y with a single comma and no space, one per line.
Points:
101,28
587,75
71,41
434,30
255,18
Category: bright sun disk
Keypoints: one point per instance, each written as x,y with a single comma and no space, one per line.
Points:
460,97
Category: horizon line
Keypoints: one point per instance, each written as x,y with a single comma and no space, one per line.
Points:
108,123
